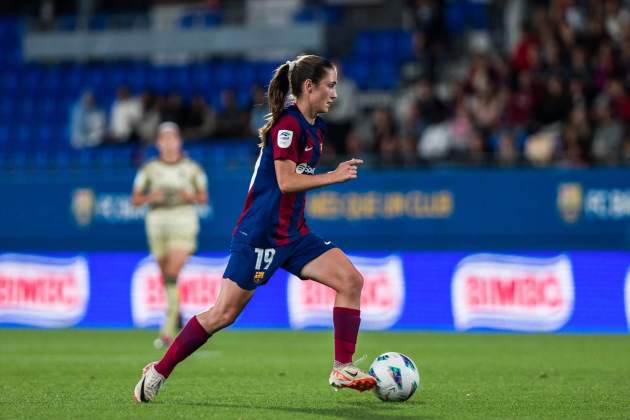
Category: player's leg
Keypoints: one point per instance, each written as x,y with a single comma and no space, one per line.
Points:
230,302
335,270
170,266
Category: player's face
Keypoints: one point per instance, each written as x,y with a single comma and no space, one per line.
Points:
169,142
324,93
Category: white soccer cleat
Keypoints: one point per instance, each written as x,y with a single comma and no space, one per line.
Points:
350,376
149,384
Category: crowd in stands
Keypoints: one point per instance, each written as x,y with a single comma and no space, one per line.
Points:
559,97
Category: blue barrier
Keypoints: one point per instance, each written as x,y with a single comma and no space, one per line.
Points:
394,210
578,291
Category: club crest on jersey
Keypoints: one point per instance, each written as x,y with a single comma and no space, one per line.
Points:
284,138
258,276
303,168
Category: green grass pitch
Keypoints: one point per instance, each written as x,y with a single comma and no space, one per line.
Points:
283,375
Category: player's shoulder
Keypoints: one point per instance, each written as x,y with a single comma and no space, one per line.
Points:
288,120
191,163
149,164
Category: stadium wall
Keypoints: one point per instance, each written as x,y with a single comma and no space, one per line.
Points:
513,250
383,210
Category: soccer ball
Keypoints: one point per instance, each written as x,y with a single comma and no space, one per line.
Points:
397,377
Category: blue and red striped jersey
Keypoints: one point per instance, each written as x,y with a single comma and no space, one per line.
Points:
270,218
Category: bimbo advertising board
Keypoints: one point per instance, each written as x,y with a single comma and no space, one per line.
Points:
448,291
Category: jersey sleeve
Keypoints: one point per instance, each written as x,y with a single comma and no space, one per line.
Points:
285,138
141,181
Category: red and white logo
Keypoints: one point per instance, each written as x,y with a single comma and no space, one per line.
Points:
311,303
198,285
43,291
513,293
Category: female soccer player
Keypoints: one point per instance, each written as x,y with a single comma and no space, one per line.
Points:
171,185
271,231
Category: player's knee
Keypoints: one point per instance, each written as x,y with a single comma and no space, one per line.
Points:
352,282
227,317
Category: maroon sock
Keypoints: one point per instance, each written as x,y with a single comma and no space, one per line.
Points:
346,322
190,338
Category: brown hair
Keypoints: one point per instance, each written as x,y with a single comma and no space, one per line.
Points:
305,67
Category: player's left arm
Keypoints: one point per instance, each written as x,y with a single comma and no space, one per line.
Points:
290,181
200,183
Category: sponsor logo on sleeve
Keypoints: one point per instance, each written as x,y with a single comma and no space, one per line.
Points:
311,303
284,138
303,168
512,293
43,291
198,285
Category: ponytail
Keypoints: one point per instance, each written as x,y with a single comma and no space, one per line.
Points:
277,94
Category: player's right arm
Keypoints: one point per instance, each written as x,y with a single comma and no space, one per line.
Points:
141,194
290,182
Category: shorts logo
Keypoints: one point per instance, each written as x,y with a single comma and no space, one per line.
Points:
284,138
308,148
258,276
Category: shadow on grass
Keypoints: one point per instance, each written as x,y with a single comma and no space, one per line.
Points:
366,410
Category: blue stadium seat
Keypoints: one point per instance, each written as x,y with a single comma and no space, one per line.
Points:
246,73
363,45
212,18
67,23
264,72
456,17
359,71
187,21
99,22
385,44
226,75
384,75
404,46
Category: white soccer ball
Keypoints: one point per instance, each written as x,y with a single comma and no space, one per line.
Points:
397,377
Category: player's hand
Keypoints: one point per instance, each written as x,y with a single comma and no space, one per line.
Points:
347,170
188,197
156,196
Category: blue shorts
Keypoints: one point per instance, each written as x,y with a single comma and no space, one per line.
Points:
251,267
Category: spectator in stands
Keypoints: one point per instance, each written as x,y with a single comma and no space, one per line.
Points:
233,121
147,125
573,155
385,137
522,102
258,110
460,132
430,35
174,109
201,121
578,129
555,102
608,136
344,111
626,147
506,151
125,113
87,123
